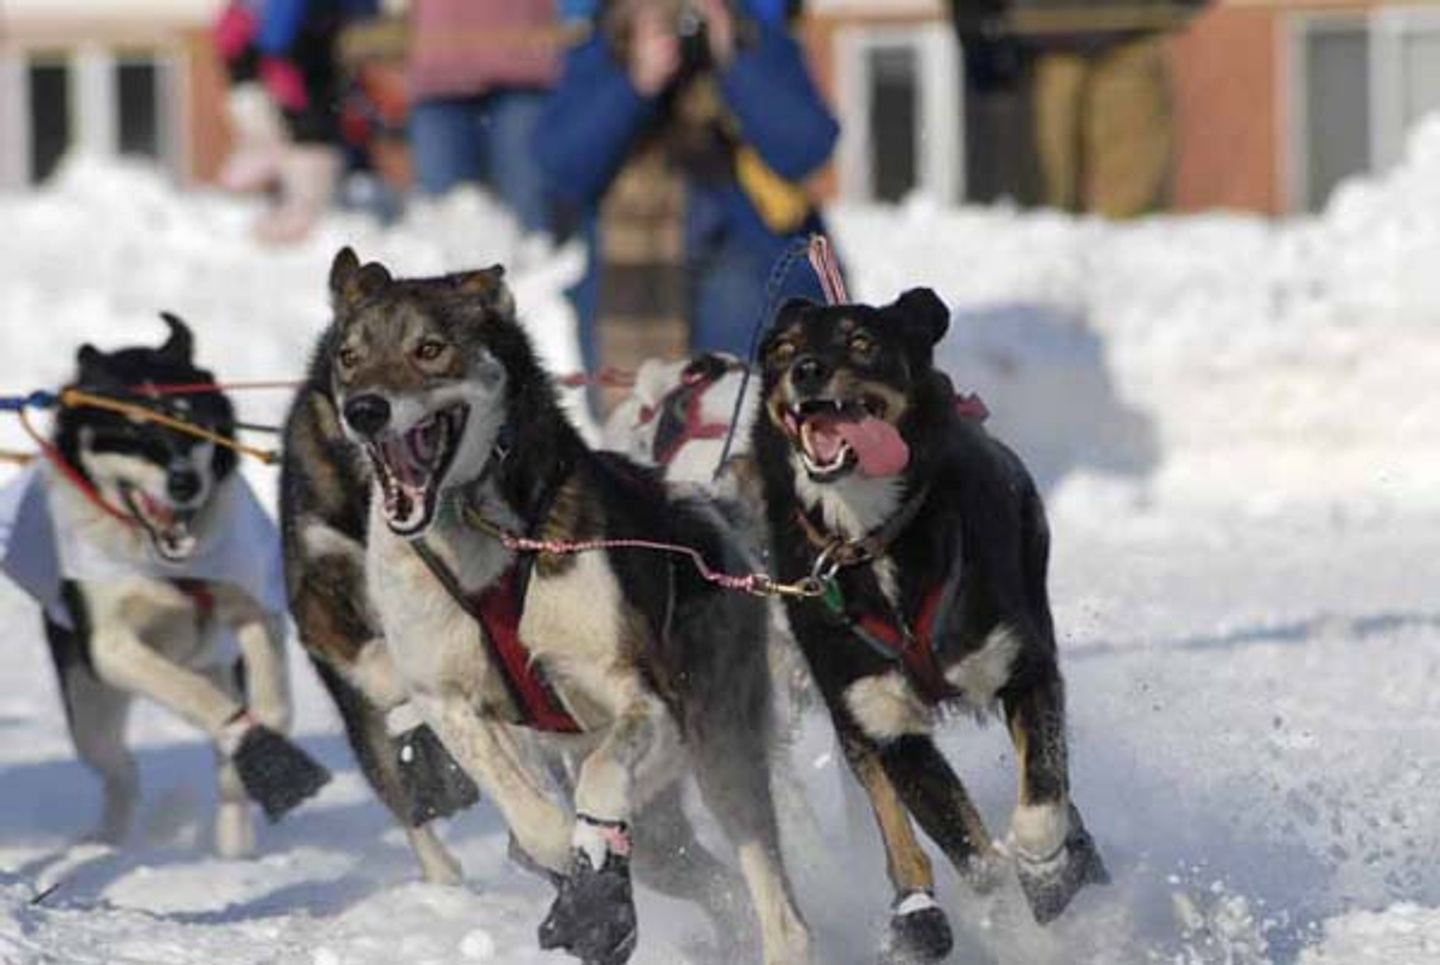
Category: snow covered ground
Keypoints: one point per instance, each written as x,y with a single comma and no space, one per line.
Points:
1236,426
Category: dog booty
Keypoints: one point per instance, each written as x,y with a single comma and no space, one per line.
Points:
277,774
919,931
593,917
437,786
1051,882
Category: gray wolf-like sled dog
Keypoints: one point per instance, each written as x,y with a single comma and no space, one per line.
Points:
625,659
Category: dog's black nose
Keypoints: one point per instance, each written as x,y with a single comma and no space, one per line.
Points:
809,374
183,485
367,414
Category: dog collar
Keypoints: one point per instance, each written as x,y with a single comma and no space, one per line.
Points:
837,553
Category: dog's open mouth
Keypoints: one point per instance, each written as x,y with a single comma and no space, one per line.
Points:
836,436
171,529
411,465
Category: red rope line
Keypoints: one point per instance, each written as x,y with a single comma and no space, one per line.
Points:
73,475
203,388
608,377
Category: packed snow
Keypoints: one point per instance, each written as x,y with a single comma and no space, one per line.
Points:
1234,422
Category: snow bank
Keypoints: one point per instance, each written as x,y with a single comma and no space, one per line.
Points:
1237,360
98,253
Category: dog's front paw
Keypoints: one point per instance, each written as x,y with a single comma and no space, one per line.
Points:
277,774
438,787
919,931
593,917
1051,881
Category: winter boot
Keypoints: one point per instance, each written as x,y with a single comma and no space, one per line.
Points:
258,140
437,785
593,917
919,931
309,174
1050,881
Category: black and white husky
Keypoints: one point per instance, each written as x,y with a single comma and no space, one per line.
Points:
152,560
625,658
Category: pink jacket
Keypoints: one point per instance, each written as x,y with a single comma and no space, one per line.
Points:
463,47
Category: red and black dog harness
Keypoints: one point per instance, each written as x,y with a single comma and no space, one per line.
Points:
498,609
679,415
906,639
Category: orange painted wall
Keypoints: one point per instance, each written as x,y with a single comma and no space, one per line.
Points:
1229,112
207,135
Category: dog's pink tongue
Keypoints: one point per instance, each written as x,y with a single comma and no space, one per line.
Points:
877,445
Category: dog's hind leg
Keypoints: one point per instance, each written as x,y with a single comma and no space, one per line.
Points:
96,713
937,798
1054,855
671,860
376,754
731,769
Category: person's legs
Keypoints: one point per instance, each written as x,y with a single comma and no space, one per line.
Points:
1060,80
510,120
1127,130
444,144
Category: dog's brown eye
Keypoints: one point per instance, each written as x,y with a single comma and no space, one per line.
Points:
429,350
348,358
862,346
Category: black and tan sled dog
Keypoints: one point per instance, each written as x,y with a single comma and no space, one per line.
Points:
624,660
931,544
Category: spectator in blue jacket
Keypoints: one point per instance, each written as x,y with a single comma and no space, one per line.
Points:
719,95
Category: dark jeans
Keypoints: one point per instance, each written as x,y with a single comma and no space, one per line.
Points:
487,139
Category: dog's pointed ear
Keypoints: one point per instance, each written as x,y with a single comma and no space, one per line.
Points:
924,315
350,281
786,315
90,361
488,285
180,346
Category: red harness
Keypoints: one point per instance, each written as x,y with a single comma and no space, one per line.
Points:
911,642
498,609
679,410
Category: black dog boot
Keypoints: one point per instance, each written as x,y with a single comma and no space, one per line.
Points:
593,917
1049,882
919,931
276,773
437,786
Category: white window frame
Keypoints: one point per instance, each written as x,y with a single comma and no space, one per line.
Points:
94,103
939,137
1385,31
14,119
172,100
1388,30
1295,64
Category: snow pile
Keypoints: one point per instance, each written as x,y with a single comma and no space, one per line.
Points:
1405,933
95,255
1252,708
1266,362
